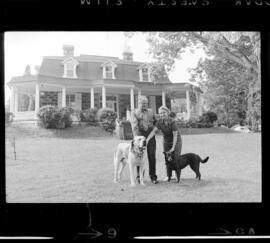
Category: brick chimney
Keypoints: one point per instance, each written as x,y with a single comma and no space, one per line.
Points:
68,50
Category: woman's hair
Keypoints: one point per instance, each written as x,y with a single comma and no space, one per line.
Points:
164,108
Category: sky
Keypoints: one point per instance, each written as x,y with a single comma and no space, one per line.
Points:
28,48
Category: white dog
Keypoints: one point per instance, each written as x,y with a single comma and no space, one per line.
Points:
134,155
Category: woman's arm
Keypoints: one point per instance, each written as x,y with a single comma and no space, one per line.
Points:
175,133
151,134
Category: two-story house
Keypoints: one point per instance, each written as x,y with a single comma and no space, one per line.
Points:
88,81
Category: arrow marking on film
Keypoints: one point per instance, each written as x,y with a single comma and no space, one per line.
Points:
224,232
92,234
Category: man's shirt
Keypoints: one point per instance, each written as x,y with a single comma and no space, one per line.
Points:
142,120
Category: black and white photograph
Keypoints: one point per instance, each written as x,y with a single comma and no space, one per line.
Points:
133,117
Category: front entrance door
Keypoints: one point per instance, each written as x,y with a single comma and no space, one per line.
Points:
70,100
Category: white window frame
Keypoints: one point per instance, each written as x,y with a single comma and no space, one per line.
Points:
110,72
110,64
141,73
70,65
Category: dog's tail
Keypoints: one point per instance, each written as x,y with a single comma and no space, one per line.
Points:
205,160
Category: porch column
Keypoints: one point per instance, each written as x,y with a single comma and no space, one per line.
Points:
188,104
16,100
103,97
92,95
163,98
131,99
64,104
11,101
37,100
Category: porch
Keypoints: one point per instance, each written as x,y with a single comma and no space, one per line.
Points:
27,99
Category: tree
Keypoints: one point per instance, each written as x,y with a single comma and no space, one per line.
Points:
241,50
225,89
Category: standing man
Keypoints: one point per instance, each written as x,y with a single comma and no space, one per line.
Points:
142,122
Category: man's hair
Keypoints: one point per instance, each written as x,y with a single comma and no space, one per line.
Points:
142,98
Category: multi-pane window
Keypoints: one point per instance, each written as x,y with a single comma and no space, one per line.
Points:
109,72
70,70
70,100
145,76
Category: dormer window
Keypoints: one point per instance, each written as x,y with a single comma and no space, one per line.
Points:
108,70
70,68
144,74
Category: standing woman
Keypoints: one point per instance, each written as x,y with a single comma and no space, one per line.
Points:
172,140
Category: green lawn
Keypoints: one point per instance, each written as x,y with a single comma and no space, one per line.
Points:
76,165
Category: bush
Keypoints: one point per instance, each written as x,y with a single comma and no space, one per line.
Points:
90,116
8,117
228,120
106,118
209,117
65,120
52,117
200,122
79,115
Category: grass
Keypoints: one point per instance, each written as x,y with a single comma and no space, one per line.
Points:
75,165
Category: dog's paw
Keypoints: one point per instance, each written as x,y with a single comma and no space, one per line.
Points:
133,185
142,183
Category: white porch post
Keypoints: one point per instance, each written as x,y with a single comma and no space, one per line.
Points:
64,104
37,100
92,99
188,104
163,98
16,100
11,101
131,99
103,97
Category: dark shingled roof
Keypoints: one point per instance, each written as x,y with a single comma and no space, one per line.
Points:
90,68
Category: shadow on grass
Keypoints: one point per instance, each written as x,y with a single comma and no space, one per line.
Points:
198,131
194,184
76,132
82,133
90,132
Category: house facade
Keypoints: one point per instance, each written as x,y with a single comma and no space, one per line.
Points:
89,81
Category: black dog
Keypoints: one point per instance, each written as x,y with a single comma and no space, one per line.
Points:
191,159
